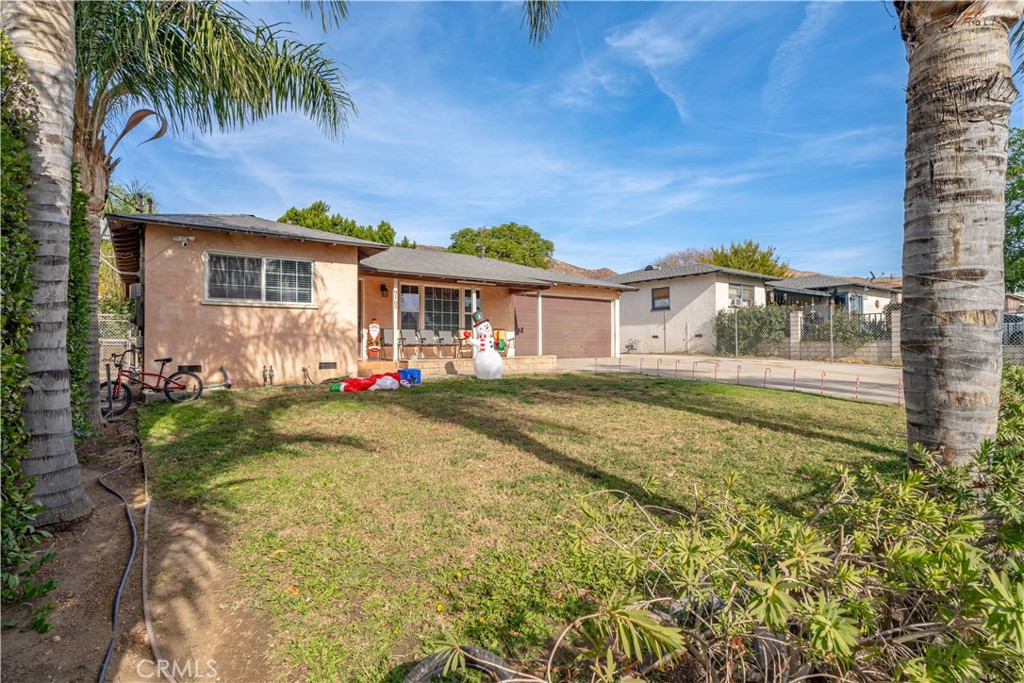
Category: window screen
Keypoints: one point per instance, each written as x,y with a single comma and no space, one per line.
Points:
235,277
289,281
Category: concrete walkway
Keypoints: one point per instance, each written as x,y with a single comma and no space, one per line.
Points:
877,383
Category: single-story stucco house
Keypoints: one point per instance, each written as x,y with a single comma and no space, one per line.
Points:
246,293
853,294
673,308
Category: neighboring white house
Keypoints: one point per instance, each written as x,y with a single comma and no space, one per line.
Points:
673,308
853,294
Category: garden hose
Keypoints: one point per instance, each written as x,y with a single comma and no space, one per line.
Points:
124,576
150,634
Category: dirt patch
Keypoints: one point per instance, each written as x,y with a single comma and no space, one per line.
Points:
202,627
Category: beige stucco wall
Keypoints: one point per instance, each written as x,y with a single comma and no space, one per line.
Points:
245,337
688,326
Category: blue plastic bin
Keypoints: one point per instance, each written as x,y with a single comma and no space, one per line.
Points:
410,375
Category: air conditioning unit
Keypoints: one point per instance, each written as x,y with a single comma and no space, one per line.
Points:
736,303
135,290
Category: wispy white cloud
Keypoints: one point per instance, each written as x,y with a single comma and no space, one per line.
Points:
789,62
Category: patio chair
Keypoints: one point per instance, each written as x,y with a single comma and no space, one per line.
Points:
428,340
409,340
387,342
446,342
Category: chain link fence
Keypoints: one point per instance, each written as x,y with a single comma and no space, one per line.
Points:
829,333
115,332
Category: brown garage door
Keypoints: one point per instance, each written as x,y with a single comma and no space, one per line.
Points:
573,328
526,324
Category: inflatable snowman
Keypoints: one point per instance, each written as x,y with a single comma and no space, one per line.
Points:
487,363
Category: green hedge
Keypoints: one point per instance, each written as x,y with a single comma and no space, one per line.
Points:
79,315
19,537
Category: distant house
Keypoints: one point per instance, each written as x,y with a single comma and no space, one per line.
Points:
673,308
854,294
1014,303
246,293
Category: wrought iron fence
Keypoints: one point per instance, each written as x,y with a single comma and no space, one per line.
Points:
808,333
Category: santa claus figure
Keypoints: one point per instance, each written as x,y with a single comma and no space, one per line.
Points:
487,363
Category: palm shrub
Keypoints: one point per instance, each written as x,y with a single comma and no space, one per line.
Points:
917,580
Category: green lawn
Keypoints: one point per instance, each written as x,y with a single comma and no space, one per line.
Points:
363,523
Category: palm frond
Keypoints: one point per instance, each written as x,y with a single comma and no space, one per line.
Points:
539,16
332,12
202,65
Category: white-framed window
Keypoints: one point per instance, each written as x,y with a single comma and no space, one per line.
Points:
441,308
660,299
467,307
745,293
409,307
258,279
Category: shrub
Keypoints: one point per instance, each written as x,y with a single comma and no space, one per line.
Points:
19,537
79,315
916,580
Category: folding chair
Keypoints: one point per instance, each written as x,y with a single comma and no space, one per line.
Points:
409,338
428,339
445,340
387,342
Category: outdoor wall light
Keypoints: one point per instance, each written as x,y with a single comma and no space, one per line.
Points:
383,290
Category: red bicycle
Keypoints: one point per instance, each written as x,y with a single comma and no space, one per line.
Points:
116,398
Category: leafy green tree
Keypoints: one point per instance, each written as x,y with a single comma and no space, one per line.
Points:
1013,243
133,197
200,66
506,242
748,256
317,216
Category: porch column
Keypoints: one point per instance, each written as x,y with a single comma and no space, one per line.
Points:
796,328
362,328
540,324
394,319
615,329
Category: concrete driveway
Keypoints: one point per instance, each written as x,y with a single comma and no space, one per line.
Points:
844,380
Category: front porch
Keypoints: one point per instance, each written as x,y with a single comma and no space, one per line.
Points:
433,368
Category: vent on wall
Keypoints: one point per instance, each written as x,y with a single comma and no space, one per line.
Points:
329,366
190,368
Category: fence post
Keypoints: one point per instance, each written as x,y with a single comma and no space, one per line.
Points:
831,331
796,329
736,319
894,341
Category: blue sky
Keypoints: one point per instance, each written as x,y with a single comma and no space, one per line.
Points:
636,129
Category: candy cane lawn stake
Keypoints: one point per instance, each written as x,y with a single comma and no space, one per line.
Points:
899,393
658,371
794,379
716,372
856,389
693,371
767,371
821,390
738,366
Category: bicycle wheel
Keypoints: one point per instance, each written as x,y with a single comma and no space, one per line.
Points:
183,386
118,400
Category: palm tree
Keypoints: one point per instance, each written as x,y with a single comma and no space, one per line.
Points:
195,65
959,93
42,34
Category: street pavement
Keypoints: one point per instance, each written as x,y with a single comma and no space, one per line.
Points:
878,383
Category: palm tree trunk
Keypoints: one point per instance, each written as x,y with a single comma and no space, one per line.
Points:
43,35
959,93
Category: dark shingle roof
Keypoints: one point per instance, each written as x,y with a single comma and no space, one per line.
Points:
245,224
443,264
824,282
683,270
